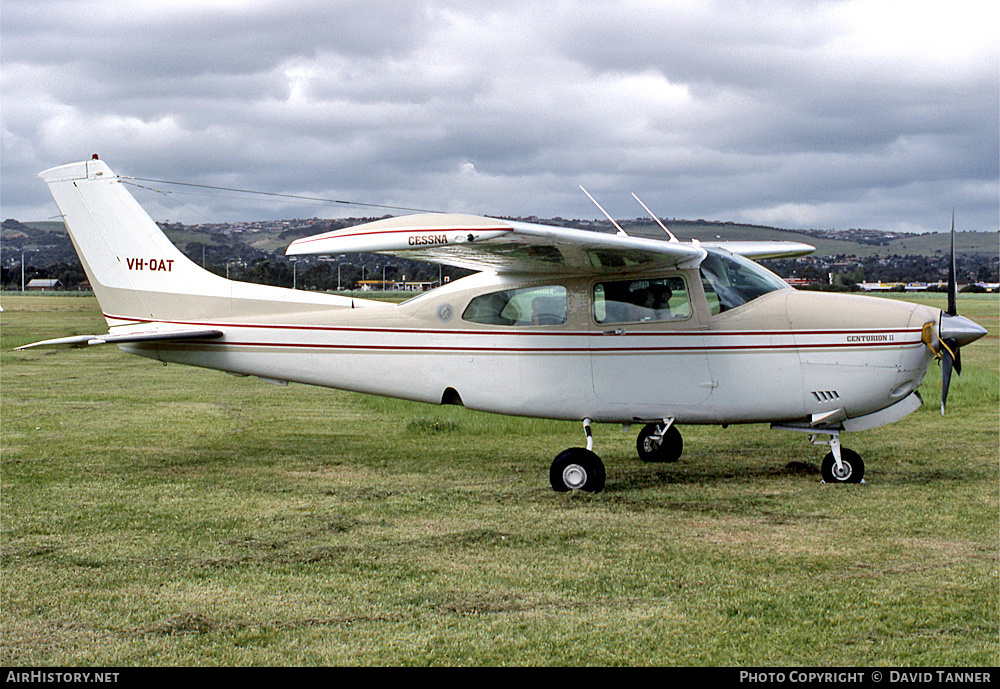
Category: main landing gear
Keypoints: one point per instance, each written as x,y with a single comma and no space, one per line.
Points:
580,469
659,442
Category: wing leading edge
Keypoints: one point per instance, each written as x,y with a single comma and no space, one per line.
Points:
508,246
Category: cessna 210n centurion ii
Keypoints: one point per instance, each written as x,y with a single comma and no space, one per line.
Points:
557,323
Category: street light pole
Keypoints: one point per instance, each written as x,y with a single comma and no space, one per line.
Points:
22,268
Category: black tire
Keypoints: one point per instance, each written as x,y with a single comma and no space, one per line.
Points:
853,467
669,448
577,469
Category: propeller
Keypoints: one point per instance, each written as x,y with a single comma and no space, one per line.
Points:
953,330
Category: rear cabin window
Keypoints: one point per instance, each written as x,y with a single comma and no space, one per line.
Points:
639,301
529,306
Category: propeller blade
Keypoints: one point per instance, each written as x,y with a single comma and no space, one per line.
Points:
945,378
947,363
952,285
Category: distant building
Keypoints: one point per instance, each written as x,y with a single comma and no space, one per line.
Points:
903,286
397,285
40,285
877,286
801,282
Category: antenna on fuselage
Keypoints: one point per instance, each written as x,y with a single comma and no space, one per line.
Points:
652,215
617,227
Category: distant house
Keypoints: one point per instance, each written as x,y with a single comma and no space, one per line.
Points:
40,285
801,282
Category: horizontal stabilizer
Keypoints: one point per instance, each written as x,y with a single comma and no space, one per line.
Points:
126,336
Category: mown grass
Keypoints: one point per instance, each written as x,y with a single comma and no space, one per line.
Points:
159,515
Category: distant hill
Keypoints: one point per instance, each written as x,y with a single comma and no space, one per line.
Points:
860,243
50,240
922,256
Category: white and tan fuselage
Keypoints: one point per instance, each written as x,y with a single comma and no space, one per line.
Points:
785,356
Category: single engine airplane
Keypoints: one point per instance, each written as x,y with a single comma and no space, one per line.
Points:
556,323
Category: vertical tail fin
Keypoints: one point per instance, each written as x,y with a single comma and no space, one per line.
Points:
136,272
130,263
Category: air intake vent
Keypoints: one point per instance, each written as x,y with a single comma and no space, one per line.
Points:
825,395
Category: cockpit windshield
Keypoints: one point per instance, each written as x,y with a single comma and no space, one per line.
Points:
730,280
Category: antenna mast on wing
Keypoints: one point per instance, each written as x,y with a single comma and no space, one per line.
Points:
671,234
617,226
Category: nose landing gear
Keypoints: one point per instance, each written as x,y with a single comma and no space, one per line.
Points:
840,464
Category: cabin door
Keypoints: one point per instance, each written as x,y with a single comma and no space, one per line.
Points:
647,347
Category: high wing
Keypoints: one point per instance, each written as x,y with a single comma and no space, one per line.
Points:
508,246
130,334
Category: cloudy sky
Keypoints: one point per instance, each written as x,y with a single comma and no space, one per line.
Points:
795,113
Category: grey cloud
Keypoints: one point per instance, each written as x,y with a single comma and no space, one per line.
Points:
780,110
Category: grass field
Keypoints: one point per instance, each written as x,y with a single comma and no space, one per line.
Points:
159,515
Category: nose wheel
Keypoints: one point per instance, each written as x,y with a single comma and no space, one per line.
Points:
851,468
840,464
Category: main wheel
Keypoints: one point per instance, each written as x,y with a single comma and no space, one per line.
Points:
668,449
577,469
852,467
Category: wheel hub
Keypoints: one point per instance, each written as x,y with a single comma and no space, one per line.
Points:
574,476
842,472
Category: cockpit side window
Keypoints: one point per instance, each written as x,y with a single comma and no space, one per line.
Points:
730,281
515,307
639,301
